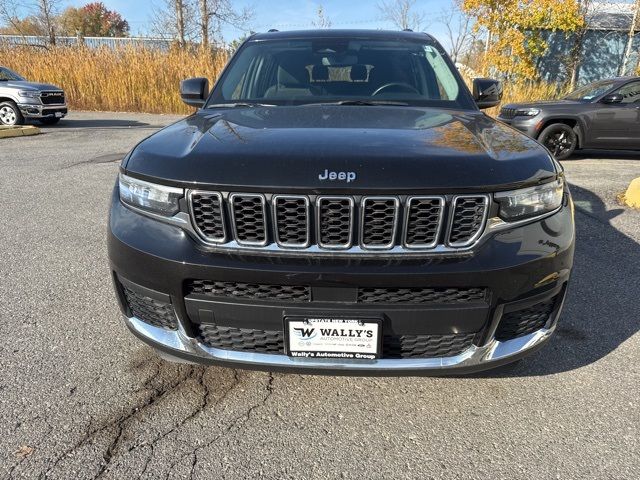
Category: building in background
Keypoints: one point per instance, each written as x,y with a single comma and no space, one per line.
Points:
603,48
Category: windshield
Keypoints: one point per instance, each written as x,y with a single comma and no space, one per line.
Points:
591,91
328,70
6,74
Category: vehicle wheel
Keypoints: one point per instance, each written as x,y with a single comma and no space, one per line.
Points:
560,139
10,114
49,121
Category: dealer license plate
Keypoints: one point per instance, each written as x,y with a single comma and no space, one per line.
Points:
333,338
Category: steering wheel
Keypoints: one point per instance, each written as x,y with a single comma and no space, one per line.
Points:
403,87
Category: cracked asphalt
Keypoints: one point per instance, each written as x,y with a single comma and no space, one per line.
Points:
81,398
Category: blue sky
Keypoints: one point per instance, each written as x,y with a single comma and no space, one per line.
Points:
286,14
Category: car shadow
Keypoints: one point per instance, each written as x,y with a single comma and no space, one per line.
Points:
602,310
68,123
605,155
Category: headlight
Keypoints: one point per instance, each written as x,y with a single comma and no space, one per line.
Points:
29,94
529,202
528,112
150,196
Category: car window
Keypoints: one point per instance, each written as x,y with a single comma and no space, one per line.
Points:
294,72
6,74
591,91
630,93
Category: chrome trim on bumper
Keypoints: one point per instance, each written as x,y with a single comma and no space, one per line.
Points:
493,352
42,110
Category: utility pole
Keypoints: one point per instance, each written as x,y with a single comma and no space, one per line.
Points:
632,34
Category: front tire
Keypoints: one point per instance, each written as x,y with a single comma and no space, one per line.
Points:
10,114
560,139
49,121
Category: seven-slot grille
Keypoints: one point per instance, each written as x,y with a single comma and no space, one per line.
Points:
339,223
508,113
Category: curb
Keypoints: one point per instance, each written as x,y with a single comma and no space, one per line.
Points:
632,195
18,131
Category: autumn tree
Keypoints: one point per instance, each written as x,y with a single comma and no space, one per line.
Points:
93,20
515,31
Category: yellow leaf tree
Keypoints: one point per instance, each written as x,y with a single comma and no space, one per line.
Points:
515,31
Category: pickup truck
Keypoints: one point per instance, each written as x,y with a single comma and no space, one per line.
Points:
20,100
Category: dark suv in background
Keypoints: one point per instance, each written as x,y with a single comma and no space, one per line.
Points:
340,204
601,115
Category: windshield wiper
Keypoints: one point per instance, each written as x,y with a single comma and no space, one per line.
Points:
365,103
240,105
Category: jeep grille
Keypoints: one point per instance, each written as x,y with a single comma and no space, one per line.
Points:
353,224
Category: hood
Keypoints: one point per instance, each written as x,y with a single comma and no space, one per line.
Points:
542,104
289,149
24,85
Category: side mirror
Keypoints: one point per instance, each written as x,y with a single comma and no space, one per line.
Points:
487,92
194,91
613,99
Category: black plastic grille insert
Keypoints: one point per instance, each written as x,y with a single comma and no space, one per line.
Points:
149,310
379,222
421,295
523,322
468,218
249,215
394,346
207,214
424,216
335,218
256,291
292,220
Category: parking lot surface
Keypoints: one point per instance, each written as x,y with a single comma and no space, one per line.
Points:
81,398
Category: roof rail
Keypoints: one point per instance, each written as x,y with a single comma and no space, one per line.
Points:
407,30
272,30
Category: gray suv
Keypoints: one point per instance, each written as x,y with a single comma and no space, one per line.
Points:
20,99
601,115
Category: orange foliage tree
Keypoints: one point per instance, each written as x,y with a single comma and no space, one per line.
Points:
515,31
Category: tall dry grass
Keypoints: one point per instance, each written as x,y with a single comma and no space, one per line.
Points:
130,78
136,79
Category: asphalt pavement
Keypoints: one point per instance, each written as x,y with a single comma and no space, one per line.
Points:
81,398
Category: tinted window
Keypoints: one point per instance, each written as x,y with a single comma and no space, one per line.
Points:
293,72
630,93
591,91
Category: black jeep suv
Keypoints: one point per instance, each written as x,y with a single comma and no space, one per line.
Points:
339,204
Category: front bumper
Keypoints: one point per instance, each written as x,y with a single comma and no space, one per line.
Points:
43,111
527,125
519,267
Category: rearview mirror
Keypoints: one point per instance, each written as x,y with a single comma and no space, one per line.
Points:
194,91
487,92
613,99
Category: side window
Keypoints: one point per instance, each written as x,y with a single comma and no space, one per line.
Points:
631,93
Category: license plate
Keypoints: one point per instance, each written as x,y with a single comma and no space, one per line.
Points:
333,338
58,114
